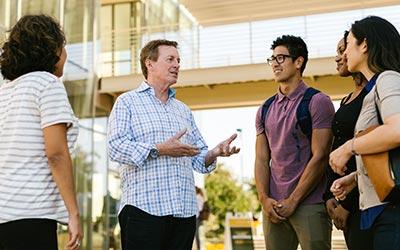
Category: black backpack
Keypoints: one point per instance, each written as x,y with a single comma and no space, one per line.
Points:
302,113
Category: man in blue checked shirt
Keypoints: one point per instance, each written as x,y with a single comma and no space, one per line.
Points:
157,143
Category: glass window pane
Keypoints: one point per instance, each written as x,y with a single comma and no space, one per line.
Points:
122,68
106,28
41,7
122,15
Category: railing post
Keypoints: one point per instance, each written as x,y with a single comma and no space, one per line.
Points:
198,47
251,41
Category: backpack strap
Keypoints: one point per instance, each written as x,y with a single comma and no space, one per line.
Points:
303,112
264,110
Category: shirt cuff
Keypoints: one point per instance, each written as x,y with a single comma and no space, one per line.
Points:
212,166
140,155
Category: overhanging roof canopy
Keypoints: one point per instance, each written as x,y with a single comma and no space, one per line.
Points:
219,75
212,12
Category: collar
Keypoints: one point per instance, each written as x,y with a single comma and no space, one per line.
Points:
371,83
295,94
144,87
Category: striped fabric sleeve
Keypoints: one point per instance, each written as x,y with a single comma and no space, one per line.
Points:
54,106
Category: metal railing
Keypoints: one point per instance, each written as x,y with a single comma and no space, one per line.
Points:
233,44
121,48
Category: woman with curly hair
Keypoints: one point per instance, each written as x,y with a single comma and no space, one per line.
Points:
37,131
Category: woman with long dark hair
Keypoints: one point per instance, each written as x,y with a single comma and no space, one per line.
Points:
345,214
37,131
373,48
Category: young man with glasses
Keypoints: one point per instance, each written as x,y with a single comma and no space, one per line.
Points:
290,164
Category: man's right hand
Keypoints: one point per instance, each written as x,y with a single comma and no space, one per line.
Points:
173,147
268,206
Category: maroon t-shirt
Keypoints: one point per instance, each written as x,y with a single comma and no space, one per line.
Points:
290,148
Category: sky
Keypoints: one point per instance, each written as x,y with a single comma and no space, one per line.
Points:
217,125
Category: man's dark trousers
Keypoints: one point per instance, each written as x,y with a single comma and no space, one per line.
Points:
143,231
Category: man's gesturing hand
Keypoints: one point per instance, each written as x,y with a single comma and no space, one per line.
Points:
224,148
175,148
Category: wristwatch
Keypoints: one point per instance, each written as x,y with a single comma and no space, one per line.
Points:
154,152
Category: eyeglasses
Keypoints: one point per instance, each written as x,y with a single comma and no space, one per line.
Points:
279,59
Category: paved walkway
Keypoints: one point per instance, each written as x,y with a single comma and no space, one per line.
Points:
338,242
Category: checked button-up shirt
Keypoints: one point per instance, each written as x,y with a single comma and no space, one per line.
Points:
161,186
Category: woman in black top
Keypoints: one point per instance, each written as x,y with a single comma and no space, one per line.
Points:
346,214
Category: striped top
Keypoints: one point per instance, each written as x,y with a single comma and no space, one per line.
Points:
27,105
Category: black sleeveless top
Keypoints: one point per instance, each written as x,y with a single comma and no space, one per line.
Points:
343,126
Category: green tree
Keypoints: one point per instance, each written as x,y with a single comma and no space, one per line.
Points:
225,194
255,203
